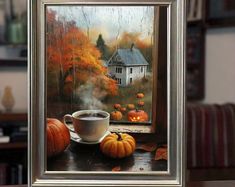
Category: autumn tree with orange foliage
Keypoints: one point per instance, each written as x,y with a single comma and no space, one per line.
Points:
72,59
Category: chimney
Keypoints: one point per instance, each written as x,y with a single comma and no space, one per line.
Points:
132,46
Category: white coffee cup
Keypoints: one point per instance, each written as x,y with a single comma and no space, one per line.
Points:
90,125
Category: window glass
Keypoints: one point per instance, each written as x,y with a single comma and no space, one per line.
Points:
90,75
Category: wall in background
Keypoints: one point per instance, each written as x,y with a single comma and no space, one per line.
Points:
16,78
220,66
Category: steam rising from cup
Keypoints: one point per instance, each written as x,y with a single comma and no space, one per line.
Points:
91,96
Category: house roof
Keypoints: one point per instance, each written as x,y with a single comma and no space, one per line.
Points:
131,57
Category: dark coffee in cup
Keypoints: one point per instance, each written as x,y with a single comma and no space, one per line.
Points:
95,116
90,125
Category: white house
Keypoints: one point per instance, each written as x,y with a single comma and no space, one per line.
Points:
127,65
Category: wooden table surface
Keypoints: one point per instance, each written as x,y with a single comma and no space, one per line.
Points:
79,157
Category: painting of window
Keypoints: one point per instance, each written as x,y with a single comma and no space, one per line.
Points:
118,70
98,57
130,70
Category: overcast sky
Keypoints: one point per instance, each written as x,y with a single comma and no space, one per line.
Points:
110,21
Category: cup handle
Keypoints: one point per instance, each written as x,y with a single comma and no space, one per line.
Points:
68,117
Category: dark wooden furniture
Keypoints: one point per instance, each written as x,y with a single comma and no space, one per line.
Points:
14,154
13,62
222,183
15,145
195,59
195,55
210,174
13,117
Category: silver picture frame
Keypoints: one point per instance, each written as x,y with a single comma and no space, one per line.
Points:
37,157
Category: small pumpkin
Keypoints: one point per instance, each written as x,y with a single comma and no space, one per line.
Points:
123,110
118,145
131,106
141,103
116,106
137,116
140,95
58,137
116,115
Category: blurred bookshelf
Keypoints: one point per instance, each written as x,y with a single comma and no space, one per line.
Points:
13,55
13,148
195,49
13,125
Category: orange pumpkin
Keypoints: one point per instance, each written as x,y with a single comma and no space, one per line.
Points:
117,145
58,137
141,103
139,95
123,109
117,106
137,116
116,115
131,106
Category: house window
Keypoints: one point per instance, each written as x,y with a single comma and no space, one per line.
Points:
119,81
141,69
119,70
130,80
130,70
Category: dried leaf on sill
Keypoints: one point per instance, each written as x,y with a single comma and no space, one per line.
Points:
149,147
161,154
116,168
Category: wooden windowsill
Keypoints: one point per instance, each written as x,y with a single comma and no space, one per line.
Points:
82,157
130,128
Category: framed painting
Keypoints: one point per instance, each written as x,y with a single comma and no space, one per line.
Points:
106,90
221,12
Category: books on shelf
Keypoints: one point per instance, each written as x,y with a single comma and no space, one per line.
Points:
16,174
3,173
12,174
